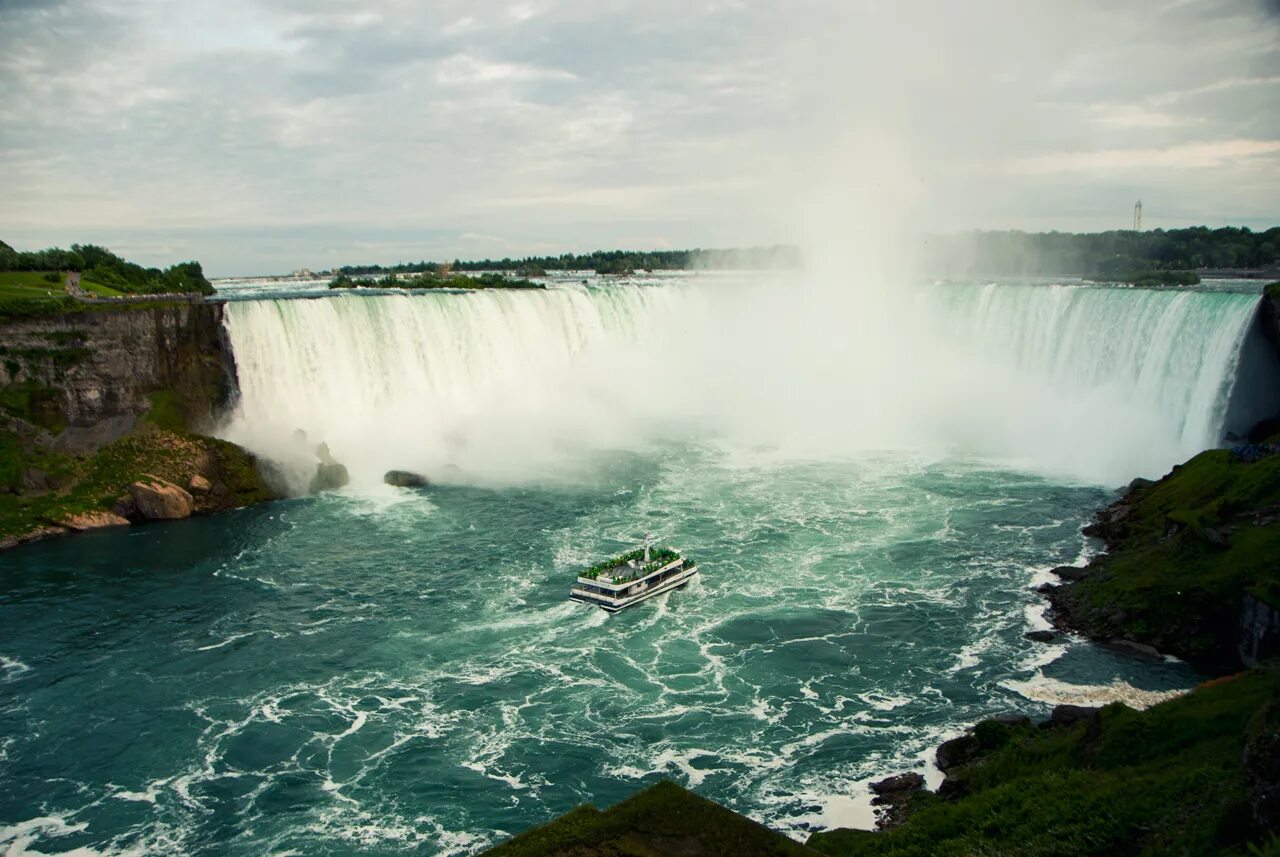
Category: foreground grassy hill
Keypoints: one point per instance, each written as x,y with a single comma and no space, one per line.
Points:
663,819
1196,775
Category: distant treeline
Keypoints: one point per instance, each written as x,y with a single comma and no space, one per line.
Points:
1119,254
100,265
605,262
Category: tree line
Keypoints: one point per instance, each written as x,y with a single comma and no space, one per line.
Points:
1118,254
99,265
603,262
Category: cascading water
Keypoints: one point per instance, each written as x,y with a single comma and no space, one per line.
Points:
421,381
1097,384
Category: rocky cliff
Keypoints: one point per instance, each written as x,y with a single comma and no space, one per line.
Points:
87,377
101,414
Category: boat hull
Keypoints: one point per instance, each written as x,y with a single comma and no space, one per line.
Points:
613,605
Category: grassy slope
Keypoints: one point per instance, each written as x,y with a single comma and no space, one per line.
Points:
85,483
1164,580
32,284
663,819
1164,781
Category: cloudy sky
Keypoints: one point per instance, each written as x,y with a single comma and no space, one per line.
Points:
264,135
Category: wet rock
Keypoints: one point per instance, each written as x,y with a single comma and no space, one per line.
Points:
1011,720
405,479
329,476
94,521
1070,572
158,500
908,782
956,752
1041,636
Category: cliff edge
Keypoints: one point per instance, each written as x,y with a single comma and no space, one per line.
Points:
102,413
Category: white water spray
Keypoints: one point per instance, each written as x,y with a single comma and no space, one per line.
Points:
1094,384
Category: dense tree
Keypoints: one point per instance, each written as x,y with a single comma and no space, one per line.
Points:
100,265
1115,254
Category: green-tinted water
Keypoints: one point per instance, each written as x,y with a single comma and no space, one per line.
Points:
400,671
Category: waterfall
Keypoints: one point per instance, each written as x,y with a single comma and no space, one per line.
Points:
1172,354
1097,384
414,381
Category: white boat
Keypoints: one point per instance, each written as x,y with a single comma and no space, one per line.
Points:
633,577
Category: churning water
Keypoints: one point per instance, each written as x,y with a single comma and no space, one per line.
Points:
388,671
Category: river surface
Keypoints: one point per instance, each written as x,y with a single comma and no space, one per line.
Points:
392,671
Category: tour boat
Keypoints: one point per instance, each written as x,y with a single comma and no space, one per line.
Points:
633,577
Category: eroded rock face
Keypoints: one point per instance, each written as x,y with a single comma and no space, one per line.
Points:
94,521
111,361
199,485
158,500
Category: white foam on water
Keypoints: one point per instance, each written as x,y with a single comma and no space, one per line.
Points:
1051,691
12,668
17,840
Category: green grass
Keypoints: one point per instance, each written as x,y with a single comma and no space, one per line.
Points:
1164,781
28,284
84,483
663,819
100,290
33,285
1165,582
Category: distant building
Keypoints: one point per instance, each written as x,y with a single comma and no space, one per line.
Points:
1137,217
303,274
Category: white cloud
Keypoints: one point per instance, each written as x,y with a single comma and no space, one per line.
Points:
1182,157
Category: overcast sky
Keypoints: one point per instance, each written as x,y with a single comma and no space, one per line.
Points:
265,135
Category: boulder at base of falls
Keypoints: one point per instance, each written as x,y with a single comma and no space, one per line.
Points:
158,500
329,477
405,479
